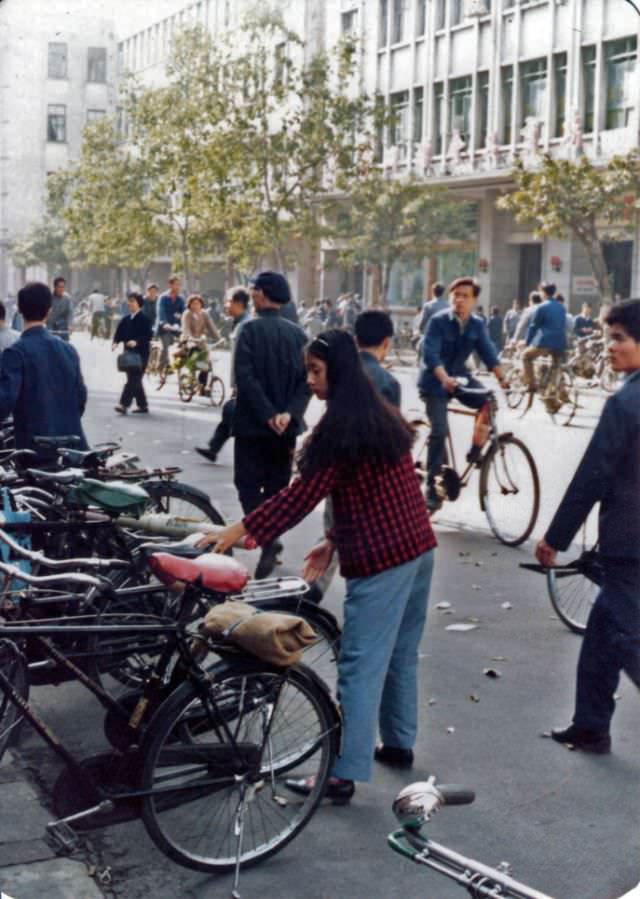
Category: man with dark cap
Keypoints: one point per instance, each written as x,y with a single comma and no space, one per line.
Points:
271,397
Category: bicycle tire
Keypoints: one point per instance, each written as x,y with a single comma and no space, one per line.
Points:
572,594
497,482
188,502
244,693
14,666
569,395
216,391
517,389
186,390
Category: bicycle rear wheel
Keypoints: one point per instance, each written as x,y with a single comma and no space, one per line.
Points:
182,502
14,668
517,388
573,590
510,490
568,397
222,760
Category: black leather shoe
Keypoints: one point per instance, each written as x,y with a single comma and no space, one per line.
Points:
585,740
434,501
139,411
475,454
268,560
121,410
207,454
394,756
338,791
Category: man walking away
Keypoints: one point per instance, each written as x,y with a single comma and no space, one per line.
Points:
609,474
236,306
7,335
150,304
96,301
170,309
520,334
374,334
437,303
59,321
546,333
495,328
40,378
271,397
510,322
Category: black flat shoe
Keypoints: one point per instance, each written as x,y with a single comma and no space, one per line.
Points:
585,740
121,410
393,756
338,791
207,454
139,411
268,560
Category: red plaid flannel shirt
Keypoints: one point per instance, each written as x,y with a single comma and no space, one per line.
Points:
380,516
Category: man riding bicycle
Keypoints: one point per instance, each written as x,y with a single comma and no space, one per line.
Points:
170,309
546,334
452,336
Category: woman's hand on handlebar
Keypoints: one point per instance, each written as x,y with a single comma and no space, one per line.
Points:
223,539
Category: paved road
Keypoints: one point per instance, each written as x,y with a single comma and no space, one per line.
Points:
568,823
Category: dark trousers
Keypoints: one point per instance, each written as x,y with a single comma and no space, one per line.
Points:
437,408
262,467
224,430
611,644
133,390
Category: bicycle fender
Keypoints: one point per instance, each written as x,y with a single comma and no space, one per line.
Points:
279,604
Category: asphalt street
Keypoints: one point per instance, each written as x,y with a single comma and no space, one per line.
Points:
567,822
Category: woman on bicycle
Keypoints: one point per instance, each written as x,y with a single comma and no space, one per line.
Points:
196,322
359,454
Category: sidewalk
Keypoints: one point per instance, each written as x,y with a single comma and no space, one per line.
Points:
29,868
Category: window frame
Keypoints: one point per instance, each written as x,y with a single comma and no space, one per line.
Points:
50,47
417,106
626,106
103,57
507,85
62,116
560,67
463,90
483,84
94,115
527,76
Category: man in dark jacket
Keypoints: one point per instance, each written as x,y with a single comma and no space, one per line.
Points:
40,378
546,333
150,304
609,474
59,321
271,397
452,335
374,333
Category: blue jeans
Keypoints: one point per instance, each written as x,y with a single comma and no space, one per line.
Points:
437,408
384,618
611,644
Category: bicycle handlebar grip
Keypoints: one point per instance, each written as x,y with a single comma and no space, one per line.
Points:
452,794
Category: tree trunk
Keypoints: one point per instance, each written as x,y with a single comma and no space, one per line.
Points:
229,274
593,248
186,265
386,279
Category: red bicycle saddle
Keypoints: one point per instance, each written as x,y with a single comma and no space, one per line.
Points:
220,573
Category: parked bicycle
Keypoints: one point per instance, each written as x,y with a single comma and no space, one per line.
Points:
414,807
509,486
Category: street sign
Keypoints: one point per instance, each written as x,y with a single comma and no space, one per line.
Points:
584,285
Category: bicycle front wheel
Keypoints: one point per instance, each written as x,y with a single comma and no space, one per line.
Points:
568,397
216,391
186,387
510,490
572,593
220,762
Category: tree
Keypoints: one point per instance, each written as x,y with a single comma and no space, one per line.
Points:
387,220
580,199
42,244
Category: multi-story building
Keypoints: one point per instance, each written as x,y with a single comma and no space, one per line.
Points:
57,73
475,84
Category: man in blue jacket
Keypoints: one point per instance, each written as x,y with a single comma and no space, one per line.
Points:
452,335
170,309
546,334
40,378
374,333
609,474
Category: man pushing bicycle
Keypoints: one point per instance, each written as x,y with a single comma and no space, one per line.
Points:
452,336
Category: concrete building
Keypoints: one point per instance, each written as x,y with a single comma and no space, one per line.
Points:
475,85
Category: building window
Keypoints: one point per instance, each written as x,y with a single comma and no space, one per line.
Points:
621,62
533,86
94,114
280,64
441,14
456,12
418,113
421,17
57,124
460,95
483,108
560,92
97,64
348,21
439,117
399,128
507,103
589,87
383,23
57,60
399,21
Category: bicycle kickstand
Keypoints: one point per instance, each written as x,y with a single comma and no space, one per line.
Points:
246,794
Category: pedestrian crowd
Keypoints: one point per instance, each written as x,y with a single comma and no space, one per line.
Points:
358,460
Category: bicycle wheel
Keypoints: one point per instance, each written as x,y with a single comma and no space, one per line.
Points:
216,391
573,590
186,387
14,667
222,759
183,503
568,395
510,490
517,388
609,379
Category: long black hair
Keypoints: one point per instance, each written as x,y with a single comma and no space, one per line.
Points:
358,424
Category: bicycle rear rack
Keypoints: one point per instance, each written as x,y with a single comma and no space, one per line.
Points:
272,588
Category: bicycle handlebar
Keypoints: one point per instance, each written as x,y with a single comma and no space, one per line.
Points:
50,580
418,802
58,564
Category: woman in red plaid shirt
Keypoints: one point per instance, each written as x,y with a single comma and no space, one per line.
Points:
359,454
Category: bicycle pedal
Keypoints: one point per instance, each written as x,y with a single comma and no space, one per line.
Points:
61,837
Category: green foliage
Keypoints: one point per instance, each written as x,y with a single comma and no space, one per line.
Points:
386,220
42,244
563,198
